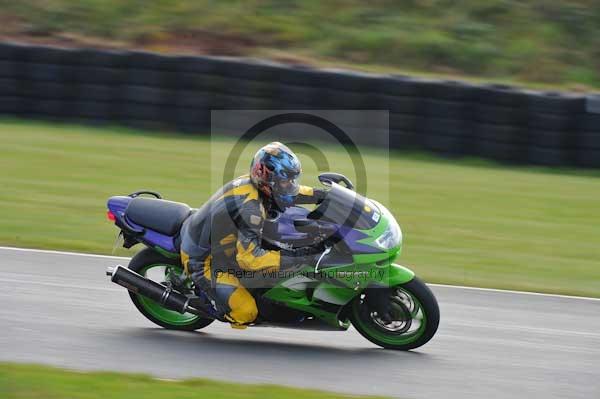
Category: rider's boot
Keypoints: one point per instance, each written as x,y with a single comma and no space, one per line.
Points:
205,299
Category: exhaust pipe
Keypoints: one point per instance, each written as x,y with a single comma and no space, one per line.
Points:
137,284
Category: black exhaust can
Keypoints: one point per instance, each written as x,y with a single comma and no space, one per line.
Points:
137,284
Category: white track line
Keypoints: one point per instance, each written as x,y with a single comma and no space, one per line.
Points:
58,285
464,287
47,251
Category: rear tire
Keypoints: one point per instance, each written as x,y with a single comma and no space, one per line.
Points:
424,303
140,263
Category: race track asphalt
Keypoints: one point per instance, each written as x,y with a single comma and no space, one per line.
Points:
61,309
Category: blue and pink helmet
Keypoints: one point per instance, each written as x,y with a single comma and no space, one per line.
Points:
275,171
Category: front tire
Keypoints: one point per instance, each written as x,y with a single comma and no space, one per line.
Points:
416,322
149,260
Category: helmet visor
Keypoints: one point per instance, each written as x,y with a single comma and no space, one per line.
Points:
286,186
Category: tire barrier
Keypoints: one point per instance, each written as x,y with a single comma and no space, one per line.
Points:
402,97
588,145
149,90
587,149
10,105
11,65
502,143
553,129
592,104
499,129
448,107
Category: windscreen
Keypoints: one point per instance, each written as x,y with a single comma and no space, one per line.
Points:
345,207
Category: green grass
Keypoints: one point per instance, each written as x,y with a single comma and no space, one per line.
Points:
30,381
548,42
465,222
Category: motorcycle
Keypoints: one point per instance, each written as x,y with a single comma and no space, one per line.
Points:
354,281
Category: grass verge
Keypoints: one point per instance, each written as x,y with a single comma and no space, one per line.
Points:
32,381
465,222
551,42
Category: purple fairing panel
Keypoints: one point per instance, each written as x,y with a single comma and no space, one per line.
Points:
118,204
285,224
351,236
152,238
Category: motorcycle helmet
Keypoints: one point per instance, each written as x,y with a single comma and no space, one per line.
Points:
275,171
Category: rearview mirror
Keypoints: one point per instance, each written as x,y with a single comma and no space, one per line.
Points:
327,178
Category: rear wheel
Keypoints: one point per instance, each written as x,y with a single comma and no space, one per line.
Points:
156,267
413,320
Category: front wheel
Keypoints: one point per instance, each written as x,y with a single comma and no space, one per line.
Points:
412,321
156,267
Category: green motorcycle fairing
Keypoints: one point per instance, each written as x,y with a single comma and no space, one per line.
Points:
324,292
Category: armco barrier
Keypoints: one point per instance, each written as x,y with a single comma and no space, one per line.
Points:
178,92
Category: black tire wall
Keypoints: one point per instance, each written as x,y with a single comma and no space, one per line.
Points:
149,90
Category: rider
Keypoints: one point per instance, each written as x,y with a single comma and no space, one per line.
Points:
226,233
